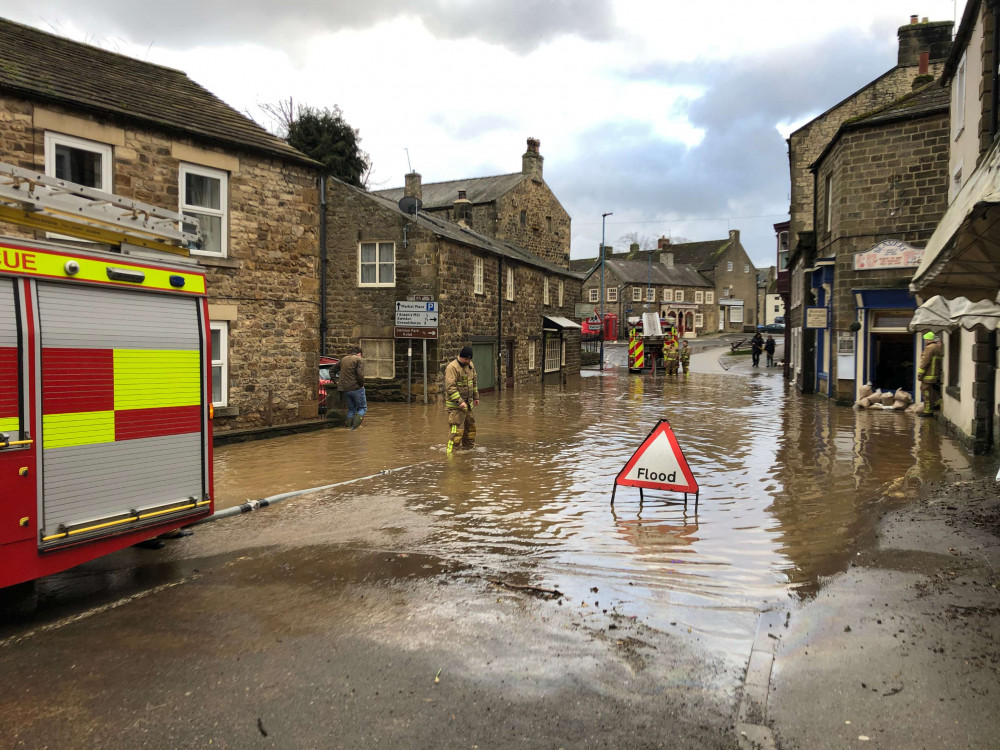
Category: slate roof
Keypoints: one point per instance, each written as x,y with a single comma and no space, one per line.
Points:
457,233
642,272
39,66
443,194
704,256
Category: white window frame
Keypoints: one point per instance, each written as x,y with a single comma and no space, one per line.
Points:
709,298
668,295
378,263
637,294
553,354
735,313
562,290
562,356
650,294
959,87
378,366
595,295
107,164
545,290
699,320
477,275
729,265
678,295
220,359
510,284
746,268
699,297
611,293
222,213
531,355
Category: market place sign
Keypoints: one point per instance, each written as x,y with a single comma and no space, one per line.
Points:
888,254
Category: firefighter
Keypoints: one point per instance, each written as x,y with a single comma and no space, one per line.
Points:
670,355
929,373
685,357
461,394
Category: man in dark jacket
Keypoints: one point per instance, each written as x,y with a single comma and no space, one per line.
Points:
756,347
352,385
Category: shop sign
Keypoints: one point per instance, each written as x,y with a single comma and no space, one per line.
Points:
816,317
888,254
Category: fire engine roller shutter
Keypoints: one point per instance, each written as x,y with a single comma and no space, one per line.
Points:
9,420
121,404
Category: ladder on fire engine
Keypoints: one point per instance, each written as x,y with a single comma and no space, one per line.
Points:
35,200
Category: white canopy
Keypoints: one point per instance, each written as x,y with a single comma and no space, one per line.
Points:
938,314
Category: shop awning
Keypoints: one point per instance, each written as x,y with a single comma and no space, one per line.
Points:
962,258
557,322
940,314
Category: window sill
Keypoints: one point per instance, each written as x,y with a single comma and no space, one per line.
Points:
227,411
954,391
213,262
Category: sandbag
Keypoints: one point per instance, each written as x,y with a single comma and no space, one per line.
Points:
888,398
899,405
866,390
861,404
903,396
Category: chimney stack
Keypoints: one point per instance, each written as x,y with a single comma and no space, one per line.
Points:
463,208
667,259
412,188
918,37
531,161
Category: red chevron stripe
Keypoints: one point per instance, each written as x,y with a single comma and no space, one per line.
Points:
132,424
77,380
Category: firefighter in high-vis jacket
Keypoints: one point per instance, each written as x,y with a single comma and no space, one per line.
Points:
685,357
670,355
461,393
929,373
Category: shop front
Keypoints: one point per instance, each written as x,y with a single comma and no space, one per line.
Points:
886,348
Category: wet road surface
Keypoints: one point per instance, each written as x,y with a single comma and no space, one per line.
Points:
349,600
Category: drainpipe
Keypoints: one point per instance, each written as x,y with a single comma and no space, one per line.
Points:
322,265
499,363
995,94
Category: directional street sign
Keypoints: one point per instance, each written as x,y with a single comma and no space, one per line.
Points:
411,314
415,332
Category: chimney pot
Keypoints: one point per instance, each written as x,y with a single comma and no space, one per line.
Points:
913,19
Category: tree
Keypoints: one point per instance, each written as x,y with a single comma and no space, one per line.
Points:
324,135
645,242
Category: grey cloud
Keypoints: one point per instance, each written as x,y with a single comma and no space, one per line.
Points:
474,127
520,26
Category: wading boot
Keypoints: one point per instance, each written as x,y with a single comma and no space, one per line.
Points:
357,421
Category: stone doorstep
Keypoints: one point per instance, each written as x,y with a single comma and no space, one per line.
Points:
751,722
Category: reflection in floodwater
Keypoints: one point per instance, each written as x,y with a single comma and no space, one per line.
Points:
783,481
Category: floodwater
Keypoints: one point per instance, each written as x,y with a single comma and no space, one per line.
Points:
786,484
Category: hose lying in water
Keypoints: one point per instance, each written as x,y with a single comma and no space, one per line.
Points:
251,505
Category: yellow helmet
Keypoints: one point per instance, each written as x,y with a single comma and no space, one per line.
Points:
929,336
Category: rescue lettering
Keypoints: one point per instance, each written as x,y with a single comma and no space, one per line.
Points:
17,260
656,476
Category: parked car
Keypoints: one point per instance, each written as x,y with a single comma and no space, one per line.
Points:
772,328
329,373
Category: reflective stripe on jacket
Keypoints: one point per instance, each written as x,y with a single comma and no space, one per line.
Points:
930,363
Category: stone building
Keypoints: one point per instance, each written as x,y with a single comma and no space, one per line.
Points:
882,187
678,293
512,306
726,264
147,132
923,47
518,208
961,263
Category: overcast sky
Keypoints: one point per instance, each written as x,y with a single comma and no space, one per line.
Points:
671,114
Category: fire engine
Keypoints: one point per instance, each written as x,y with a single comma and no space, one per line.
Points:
105,377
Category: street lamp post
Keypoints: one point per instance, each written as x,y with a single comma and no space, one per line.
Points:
603,327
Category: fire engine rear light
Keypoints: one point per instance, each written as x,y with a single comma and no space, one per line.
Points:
72,268
126,274
177,281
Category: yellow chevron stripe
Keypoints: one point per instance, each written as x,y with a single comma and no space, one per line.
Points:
151,378
85,428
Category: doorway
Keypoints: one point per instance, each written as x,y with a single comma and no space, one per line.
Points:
483,359
892,363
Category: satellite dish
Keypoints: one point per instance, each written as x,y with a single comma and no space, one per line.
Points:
409,205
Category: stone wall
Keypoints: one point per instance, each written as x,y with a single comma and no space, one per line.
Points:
890,181
441,268
268,284
545,230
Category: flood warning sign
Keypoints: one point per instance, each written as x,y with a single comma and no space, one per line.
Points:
659,464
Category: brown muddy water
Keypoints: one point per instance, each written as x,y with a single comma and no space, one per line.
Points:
787,487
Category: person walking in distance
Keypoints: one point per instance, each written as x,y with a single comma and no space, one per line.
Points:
929,373
769,346
461,393
352,385
756,347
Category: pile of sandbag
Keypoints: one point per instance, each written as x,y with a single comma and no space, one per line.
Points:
871,399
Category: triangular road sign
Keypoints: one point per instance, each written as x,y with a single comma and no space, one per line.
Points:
659,464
